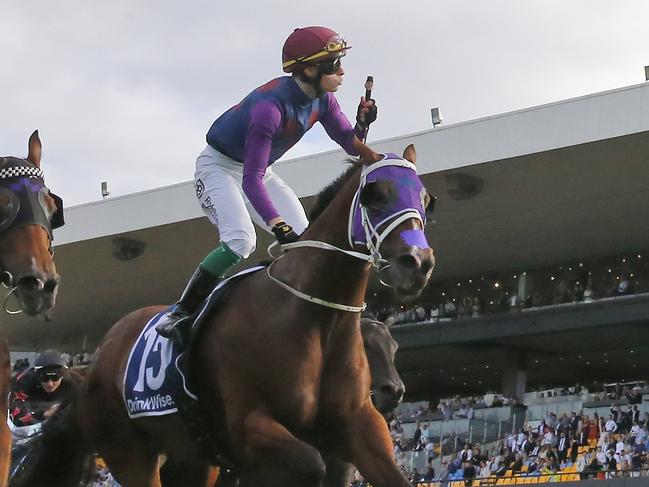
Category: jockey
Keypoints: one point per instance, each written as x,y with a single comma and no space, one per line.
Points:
39,390
234,181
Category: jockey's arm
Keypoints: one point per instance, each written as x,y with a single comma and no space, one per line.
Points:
265,121
338,127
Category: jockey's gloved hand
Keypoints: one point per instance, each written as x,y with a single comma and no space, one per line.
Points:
366,113
284,233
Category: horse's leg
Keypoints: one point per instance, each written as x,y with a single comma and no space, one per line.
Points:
133,466
339,473
264,443
5,434
368,445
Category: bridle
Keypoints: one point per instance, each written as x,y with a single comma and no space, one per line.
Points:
374,234
24,185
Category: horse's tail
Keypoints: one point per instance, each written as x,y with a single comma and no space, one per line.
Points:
58,456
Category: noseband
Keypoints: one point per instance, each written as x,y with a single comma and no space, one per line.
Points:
371,237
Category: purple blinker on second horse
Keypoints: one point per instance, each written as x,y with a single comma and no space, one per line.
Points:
370,223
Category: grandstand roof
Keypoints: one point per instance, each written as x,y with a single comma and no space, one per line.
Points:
520,189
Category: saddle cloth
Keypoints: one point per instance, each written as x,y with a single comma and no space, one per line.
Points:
153,378
155,382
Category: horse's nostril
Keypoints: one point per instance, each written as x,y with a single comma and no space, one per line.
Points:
391,391
408,261
427,266
50,285
30,284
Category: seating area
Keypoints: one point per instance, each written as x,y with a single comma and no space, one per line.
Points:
574,282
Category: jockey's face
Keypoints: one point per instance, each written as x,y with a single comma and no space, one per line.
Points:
330,82
51,385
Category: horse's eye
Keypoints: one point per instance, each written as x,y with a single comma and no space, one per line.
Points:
46,202
9,206
429,206
376,194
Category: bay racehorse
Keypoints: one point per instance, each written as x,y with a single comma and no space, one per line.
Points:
28,213
386,391
279,366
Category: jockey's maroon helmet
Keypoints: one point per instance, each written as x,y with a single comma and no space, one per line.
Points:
312,46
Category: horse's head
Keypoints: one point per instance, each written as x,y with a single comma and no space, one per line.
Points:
389,214
28,213
380,348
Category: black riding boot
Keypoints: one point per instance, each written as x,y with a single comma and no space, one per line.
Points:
176,324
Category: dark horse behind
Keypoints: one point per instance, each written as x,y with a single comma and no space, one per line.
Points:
279,367
28,213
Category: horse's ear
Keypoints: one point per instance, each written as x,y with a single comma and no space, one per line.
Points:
35,149
410,154
367,155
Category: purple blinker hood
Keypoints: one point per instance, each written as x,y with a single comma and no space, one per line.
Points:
408,203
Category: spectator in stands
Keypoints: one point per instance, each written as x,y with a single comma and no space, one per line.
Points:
417,436
578,292
574,450
415,478
429,474
635,414
430,450
611,463
623,286
562,447
590,471
468,471
573,424
619,445
485,471
641,436
426,434
611,425
444,473
450,310
466,454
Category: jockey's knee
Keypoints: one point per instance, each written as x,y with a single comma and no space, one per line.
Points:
242,246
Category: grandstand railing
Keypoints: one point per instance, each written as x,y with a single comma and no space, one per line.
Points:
535,478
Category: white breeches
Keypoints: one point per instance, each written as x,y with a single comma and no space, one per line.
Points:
217,181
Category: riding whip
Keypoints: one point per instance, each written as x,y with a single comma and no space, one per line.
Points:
369,84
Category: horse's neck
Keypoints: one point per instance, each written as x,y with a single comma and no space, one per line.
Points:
336,276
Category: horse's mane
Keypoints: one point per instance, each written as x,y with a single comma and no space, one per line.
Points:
330,191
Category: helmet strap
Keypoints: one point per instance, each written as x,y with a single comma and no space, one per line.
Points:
313,82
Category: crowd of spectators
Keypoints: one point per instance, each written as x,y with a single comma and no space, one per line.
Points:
592,446
581,281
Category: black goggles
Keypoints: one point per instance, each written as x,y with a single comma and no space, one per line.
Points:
330,67
50,376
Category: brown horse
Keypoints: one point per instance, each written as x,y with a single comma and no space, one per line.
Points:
28,213
387,391
279,367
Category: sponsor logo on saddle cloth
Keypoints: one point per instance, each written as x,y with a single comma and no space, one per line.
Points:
153,379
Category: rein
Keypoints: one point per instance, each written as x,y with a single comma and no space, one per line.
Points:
371,235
